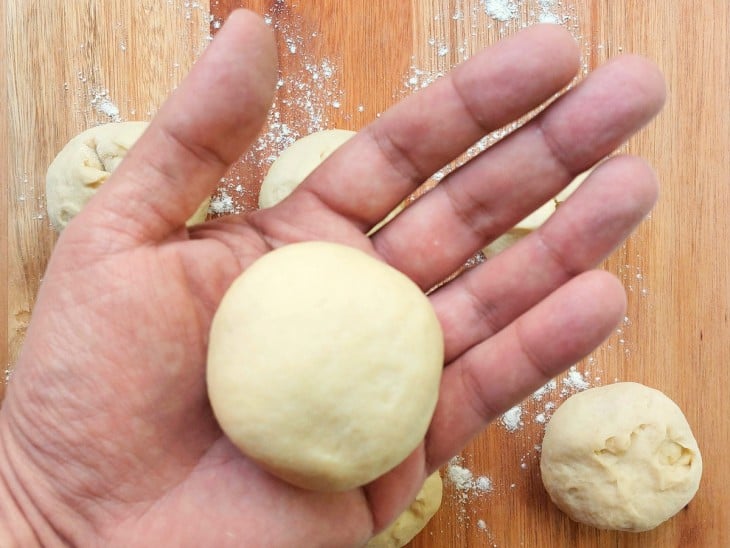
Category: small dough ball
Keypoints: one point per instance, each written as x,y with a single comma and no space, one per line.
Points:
85,163
324,365
298,161
414,518
295,164
534,220
620,457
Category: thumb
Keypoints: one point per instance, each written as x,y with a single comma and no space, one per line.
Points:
207,123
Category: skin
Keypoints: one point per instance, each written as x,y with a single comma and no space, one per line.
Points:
106,433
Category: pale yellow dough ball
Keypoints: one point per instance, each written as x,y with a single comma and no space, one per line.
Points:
414,518
85,163
620,457
324,365
297,162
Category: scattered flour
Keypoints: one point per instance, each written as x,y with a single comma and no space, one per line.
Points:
461,477
464,480
575,381
305,92
103,104
512,419
501,10
483,484
547,12
222,203
538,394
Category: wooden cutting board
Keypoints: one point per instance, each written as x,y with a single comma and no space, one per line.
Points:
72,64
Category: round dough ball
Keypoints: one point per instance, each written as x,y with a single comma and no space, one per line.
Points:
620,457
414,518
324,365
85,163
295,164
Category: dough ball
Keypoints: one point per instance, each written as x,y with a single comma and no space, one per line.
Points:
85,163
414,518
324,365
295,164
620,457
534,220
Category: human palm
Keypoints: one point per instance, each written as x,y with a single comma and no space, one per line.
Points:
107,432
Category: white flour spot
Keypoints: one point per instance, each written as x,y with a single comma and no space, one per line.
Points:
543,390
501,10
547,13
575,380
483,484
512,419
104,105
222,204
464,481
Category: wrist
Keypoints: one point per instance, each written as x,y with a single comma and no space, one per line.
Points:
15,528
22,524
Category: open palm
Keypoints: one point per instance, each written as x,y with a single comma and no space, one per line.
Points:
107,433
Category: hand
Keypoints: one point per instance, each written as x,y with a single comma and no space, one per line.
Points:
107,435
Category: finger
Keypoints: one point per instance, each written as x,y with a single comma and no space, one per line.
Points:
580,234
376,169
494,375
432,238
200,130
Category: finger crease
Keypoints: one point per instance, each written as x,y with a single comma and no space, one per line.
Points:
485,309
470,211
533,360
481,123
474,395
556,152
555,256
397,156
205,154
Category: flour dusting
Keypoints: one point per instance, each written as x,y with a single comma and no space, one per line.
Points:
306,91
501,10
103,104
512,419
464,480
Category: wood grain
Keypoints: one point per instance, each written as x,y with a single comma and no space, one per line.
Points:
675,269
4,172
